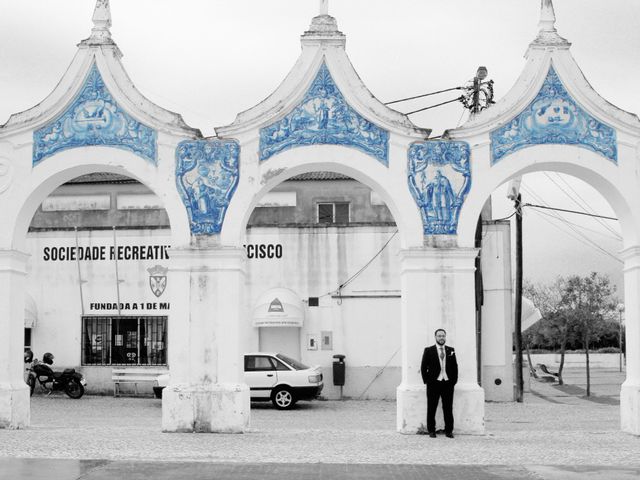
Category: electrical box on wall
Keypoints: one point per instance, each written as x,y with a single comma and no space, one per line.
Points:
326,338
312,341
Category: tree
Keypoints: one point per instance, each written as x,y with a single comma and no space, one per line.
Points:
555,328
587,301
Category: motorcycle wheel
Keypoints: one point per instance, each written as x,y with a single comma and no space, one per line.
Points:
74,389
31,381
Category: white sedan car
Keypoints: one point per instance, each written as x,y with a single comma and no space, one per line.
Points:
275,377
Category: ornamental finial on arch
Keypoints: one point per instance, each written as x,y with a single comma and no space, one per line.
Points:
100,34
547,34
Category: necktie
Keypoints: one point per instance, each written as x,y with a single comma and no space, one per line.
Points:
441,354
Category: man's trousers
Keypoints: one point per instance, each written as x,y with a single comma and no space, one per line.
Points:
435,391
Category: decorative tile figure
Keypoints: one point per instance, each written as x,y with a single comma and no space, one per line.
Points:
94,118
207,174
439,180
324,117
553,117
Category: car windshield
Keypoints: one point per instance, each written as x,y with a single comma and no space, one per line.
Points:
290,361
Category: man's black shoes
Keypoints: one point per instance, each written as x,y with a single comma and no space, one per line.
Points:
448,435
432,434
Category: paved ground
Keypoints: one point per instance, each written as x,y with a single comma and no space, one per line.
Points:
557,433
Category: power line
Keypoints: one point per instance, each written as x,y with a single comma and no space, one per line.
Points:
598,232
586,206
434,106
423,95
568,211
353,277
557,216
585,241
617,237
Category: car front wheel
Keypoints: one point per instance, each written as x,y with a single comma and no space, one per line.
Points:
282,398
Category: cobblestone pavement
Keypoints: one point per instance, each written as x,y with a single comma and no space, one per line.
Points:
41,469
553,427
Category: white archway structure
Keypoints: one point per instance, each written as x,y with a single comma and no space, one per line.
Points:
93,121
274,149
553,120
320,118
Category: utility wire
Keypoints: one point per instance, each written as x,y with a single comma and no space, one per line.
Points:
434,106
353,277
423,95
568,211
586,206
504,218
597,232
559,217
585,240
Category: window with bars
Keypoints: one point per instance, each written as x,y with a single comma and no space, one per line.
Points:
119,340
335,212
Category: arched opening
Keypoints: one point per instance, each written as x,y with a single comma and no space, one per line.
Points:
99,246
333,243
562,191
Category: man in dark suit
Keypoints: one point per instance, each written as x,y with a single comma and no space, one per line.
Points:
439,373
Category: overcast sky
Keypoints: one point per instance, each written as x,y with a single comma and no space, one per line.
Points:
210,59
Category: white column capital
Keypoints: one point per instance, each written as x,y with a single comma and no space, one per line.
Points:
14,261
207,259
445,260
631,257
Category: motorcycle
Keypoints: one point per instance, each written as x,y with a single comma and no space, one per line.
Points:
69,381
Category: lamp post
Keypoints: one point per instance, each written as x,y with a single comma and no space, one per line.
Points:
620,309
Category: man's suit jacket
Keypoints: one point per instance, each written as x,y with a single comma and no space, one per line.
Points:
430,367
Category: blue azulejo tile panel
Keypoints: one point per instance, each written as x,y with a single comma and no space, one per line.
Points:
324,117
439,180
207,174
553,117
94,118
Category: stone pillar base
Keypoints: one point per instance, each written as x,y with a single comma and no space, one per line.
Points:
468,409
15,403
411,408
630,408
219,408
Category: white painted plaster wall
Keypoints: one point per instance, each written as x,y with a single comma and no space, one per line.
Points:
365,325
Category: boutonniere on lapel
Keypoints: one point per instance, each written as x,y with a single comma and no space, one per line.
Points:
452,353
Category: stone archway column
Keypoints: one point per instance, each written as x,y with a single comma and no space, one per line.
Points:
630,390
207,392
438,290
15,409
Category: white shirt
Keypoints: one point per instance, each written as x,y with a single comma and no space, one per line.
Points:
443,363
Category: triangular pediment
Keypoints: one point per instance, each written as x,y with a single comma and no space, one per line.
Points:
94,118
96,103
324,117
553,117
355,117
551,103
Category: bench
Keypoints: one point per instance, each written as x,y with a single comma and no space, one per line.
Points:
135,376
547,375
544,368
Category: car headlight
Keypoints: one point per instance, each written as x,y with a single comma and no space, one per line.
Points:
315,378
